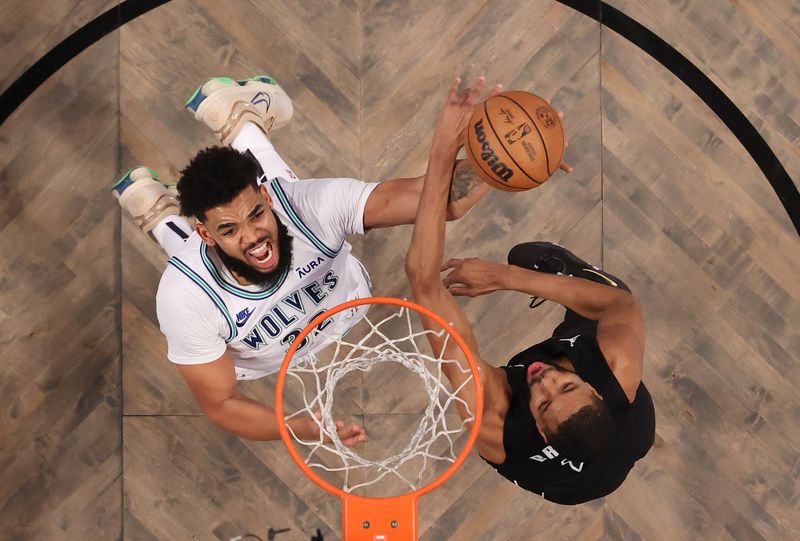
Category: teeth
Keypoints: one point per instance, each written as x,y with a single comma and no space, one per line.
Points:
262,252
259,250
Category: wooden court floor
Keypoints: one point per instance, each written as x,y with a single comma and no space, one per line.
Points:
100,438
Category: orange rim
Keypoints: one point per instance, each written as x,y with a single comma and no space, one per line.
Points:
287,437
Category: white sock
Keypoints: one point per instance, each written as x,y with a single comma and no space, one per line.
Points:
171,233
251,138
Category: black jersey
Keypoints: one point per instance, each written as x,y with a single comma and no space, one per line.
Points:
534,465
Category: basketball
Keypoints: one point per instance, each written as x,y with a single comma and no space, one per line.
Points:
515,141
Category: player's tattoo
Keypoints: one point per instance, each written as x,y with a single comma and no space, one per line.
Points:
464,179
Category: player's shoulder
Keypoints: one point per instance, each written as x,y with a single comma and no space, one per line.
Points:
312,191
180,281
326,208
190,249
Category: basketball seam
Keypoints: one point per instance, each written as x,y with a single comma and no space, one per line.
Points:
541,138
504,147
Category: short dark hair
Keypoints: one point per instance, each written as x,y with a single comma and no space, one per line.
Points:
214,177
585,434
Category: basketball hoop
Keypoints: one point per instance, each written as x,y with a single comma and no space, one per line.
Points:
391,518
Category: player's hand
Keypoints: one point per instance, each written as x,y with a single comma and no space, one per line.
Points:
349,435
473,277
456,112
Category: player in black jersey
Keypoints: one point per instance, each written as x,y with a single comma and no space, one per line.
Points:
566,418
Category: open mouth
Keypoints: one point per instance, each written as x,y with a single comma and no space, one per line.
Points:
536,371
263,256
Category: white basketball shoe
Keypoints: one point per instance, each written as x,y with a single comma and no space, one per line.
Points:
224,105
145,198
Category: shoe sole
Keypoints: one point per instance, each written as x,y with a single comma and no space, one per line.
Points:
196,93
571,260
540,249
193,103
125,177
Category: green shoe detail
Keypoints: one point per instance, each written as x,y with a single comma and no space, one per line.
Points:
261,79
193,99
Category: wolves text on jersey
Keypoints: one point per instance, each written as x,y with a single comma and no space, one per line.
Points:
292,311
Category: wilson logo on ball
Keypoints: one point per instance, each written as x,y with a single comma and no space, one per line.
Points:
488,155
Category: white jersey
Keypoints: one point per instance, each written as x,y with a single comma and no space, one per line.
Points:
203,311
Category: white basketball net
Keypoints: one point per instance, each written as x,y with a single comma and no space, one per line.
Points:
435,437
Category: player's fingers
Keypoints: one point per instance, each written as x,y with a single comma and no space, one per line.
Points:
451,264
496,89
473,93
460,291
454,89
567,168
453,278
354,440
352,431
560,114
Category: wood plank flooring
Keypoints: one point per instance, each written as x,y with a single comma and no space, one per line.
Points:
60,395
99,436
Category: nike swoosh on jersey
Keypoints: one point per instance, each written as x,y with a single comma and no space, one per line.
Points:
243,316
603,276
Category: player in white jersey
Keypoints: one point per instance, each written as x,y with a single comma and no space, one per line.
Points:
268,252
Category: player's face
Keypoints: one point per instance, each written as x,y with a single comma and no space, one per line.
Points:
556,393
246,230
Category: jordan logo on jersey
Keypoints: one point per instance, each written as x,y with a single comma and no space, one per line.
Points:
570,340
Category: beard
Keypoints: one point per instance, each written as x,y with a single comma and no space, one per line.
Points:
255,276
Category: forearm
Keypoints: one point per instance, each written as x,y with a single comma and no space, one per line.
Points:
246,418
589,299
424,257
396,201
466,189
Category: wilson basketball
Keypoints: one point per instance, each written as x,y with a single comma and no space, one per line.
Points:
515,141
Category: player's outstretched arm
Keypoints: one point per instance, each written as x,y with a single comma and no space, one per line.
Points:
214,387
425,252
395,201
620,324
